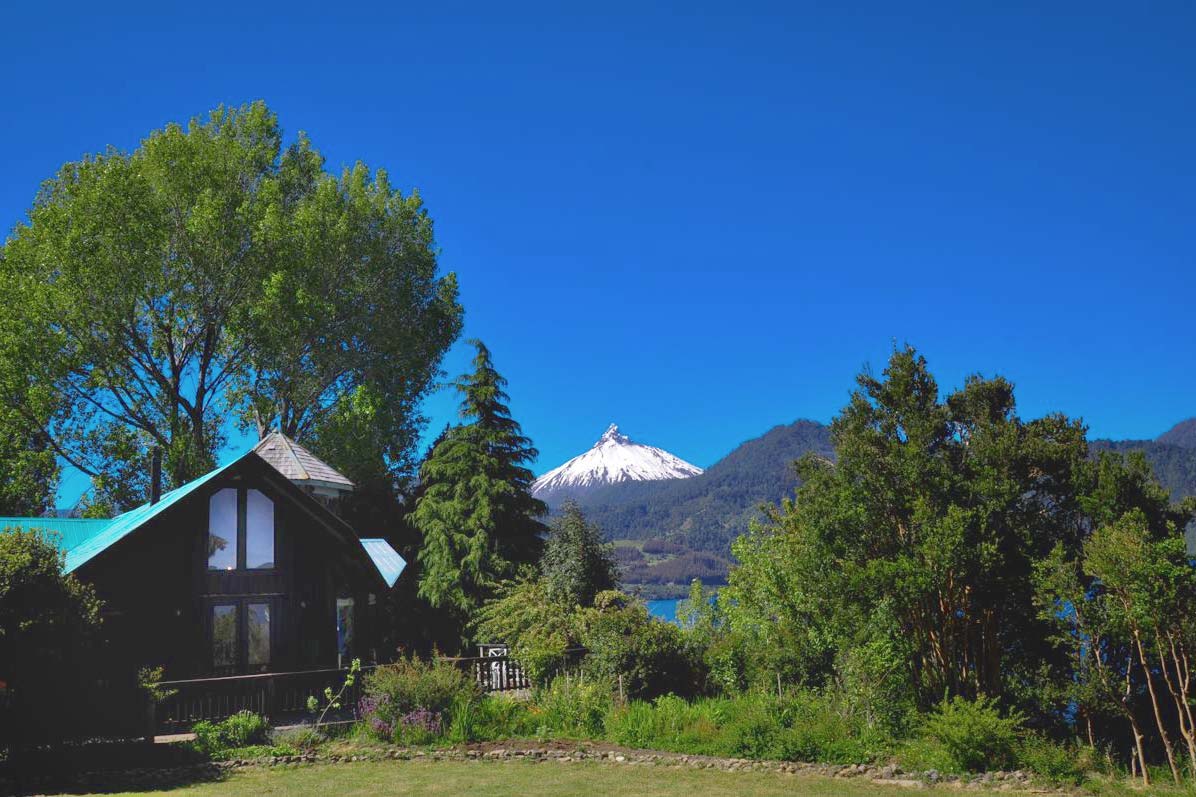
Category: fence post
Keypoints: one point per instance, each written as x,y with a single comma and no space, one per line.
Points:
151,719
271,707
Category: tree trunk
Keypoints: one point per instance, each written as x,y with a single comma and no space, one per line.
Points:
1176,688
1154,702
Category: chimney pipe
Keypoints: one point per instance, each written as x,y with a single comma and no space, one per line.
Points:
155,475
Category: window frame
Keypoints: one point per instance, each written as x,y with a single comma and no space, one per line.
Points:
242,540
213,606
241,664
346,654
237,535
243,525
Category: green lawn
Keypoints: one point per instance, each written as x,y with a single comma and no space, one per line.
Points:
524,779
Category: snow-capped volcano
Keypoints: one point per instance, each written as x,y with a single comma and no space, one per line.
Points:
614,458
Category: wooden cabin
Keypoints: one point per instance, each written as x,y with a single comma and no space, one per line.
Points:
247,569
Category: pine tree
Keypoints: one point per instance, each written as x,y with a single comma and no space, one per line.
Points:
476,514
577,564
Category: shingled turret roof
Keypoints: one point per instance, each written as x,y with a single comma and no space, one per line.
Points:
300,465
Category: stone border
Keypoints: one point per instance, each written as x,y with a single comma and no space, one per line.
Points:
888,775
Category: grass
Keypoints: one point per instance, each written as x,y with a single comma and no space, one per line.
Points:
481,778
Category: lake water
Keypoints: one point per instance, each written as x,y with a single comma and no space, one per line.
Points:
665,610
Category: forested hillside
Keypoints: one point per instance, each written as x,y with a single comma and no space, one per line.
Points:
1172,456
1183,434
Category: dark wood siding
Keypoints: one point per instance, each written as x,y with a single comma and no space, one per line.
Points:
159,593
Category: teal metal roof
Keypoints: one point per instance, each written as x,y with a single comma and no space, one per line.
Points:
385,558
82,540
68,532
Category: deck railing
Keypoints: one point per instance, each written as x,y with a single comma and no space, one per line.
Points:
503,673
283,695
492,673
274,694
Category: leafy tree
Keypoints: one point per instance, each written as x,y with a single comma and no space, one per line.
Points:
129,277
210,270
47,620
1134,560
577,564
1148,589
476,513
28,468
937,509
621,639
353,319
624,641
537,628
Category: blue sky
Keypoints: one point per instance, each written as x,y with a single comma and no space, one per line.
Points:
701,220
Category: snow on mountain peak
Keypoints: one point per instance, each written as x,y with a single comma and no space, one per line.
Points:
612,435
614,458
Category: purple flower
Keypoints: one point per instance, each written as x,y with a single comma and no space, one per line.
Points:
421,719
375,711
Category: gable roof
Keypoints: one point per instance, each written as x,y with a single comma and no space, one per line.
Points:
84,539
297,463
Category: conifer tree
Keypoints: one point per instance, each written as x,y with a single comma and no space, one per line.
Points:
476,514
577,564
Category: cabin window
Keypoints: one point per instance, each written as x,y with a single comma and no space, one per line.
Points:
258,615
344,630
240,530
259,531
222,530
224,636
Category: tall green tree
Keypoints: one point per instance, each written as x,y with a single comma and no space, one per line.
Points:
352,321
476,514
210,273
1124,607
577,563
935,512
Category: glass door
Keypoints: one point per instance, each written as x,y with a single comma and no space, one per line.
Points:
239,633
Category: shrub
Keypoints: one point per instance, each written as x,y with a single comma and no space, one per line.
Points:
755,731
967,736
403,701
1056,763
825,727
48,623
651,656
671,723
500,717
243,729
571,707
254,751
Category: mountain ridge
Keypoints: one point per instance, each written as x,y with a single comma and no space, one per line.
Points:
686,526
1183,434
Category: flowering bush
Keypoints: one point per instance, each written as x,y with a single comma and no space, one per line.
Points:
410,701
419,727
375,711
